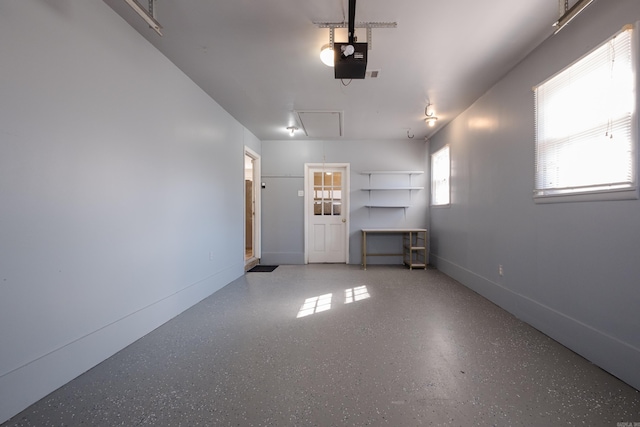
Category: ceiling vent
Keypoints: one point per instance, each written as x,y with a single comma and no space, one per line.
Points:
372,74
321,124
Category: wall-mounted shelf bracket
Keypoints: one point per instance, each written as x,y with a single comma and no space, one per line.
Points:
368,25
147,15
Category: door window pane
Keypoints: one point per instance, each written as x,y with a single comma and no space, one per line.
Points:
327,193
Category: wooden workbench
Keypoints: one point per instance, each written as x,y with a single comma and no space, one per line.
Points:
414,245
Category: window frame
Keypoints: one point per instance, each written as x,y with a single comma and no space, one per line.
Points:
434,183
591,193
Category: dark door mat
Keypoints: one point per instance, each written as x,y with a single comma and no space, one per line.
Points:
263,269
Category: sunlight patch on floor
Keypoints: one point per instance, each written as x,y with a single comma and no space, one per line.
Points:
315,305
356,294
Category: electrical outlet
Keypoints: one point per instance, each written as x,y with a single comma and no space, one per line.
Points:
211,256
500,270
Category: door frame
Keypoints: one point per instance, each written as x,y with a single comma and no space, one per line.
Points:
346,203
256,187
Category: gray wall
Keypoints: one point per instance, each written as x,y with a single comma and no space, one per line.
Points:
121,192
283,210
570,269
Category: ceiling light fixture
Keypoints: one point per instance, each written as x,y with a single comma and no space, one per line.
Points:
571,13
147,15
326,55
431,118
292,130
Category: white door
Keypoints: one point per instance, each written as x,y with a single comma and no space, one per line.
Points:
327,213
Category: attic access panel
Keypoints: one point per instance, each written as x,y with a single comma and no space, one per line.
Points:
321,124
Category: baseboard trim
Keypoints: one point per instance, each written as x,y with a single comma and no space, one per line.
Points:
282,258
25,385
617,357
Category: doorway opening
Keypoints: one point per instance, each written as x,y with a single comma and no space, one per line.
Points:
251,208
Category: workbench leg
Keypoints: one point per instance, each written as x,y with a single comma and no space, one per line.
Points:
364,250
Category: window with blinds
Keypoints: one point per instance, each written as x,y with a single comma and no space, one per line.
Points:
440,174
584,119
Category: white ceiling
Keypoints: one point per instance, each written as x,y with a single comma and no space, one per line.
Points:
259,59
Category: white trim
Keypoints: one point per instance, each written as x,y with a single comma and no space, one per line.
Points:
346,204
608,352
257,192
624,194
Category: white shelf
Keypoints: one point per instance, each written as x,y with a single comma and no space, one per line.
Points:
384,187
391,188
392,172
387,206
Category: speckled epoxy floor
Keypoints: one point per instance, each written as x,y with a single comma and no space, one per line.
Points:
412,348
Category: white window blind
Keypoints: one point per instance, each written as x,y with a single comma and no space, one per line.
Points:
584,124
440,173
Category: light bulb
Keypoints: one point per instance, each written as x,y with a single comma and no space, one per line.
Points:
348,50
326,55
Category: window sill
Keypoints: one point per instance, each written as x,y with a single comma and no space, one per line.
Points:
626,194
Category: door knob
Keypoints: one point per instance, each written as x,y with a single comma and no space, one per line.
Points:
344,219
